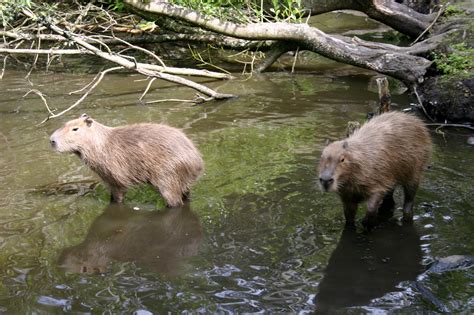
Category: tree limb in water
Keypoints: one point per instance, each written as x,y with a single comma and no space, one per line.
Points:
407,68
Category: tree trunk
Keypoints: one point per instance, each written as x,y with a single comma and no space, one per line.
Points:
396,15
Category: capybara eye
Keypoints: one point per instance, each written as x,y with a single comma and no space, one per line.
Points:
342,159
75,129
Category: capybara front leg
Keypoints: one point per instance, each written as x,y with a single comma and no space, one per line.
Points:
350,209
117,195
172,199
387,206
373,204
408,203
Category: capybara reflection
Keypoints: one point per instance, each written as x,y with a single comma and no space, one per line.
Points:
162,241
391,149
142,153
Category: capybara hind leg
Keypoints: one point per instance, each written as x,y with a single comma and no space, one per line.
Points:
117,195
408,203
387,206
373,204
350,209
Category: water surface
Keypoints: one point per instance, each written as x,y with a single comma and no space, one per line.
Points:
257,236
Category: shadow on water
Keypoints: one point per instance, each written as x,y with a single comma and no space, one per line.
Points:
367,266
159,240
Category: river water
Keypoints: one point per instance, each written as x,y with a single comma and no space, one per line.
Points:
258,235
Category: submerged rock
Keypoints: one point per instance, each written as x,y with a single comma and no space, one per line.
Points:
450,263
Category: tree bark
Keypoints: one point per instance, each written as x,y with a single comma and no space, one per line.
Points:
404,67
396,15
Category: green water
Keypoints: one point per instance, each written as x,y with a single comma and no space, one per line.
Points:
258,235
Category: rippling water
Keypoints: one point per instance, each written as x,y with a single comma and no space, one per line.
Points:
257,236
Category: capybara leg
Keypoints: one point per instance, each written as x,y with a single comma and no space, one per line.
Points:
350,209
387,206
172,199
408,203
117,195
373,204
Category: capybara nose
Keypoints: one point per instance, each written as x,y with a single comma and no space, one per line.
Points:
326,182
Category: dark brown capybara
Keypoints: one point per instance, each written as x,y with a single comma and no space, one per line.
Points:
128,155
391,149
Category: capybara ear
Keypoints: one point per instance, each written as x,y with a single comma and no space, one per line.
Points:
345,145
87,120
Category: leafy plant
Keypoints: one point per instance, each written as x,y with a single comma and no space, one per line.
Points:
459,60
10,8
452,10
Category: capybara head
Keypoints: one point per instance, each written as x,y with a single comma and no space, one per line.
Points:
73,135
334,166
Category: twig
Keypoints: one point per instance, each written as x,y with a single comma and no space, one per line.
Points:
294,60
440,11
97,81
147,88
441,125
146,51
171,100
41,95
4,67
86,86
421,104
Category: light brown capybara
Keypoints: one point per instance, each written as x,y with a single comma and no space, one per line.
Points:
391,149
156,154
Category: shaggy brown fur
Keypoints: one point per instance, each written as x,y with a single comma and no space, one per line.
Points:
391,149
124,156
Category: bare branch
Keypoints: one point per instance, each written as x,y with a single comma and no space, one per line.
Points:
91,87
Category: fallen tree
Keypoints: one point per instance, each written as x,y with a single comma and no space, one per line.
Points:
383,59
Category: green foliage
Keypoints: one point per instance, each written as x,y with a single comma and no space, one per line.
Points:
10,8
287,10
459,60
245,10
452,10
116,5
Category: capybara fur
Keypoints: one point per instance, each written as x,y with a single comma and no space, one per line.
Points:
391,149
124,156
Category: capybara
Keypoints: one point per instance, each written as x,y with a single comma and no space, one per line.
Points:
391,149
142,153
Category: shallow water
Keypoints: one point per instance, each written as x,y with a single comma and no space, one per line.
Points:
257,236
